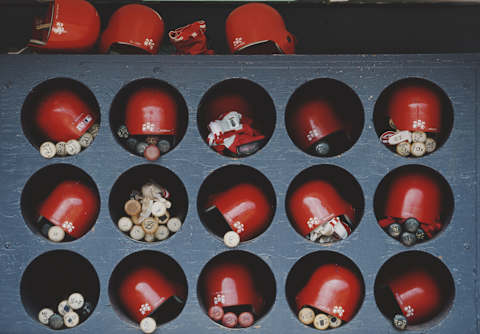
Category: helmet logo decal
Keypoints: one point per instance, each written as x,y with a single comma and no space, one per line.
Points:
149,43
68,226
338,310
312,134
219,298
409,311
148,126
239,227
238,41
313,221
419,124
145,308
59,28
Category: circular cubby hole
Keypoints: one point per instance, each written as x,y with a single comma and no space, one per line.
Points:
257,120
418,192
62,107
324,117
236,198
132,181
417,285
431,112
238,282
322,196
49,190
53,277
154,99
161,277
326,282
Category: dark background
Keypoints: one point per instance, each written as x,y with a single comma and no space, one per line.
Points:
319,28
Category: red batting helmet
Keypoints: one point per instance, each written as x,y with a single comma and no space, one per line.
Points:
312,121
246,209
62,115
314,203
333,289
151,111
231,283
145,289
70,25
417,293
256,24
415,194
72,206
134,25
416,107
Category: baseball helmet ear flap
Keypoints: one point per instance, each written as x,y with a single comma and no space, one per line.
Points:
67,26
257,28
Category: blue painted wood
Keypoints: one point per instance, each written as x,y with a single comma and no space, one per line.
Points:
280,161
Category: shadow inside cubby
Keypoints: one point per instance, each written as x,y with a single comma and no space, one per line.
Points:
61,108
236,194
237,281
320,193
135,178
415,105
236,117
53,277
418,281
322,279
324,117
414,191
149,108
148,277
65,194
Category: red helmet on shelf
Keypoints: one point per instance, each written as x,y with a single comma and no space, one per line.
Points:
70,25
134,25
145,289
231,283
256,24
246,209
417,293
151,111
333,289
312,121
316,202
416,107
63,115
72,206
415,194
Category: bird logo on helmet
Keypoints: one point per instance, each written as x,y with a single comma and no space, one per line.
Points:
258,28
417,294
133,28
68,26
151,122
414,112
62,115
230,294
245,209
334,292
317,128
145,293
319,213
71,206
413,207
